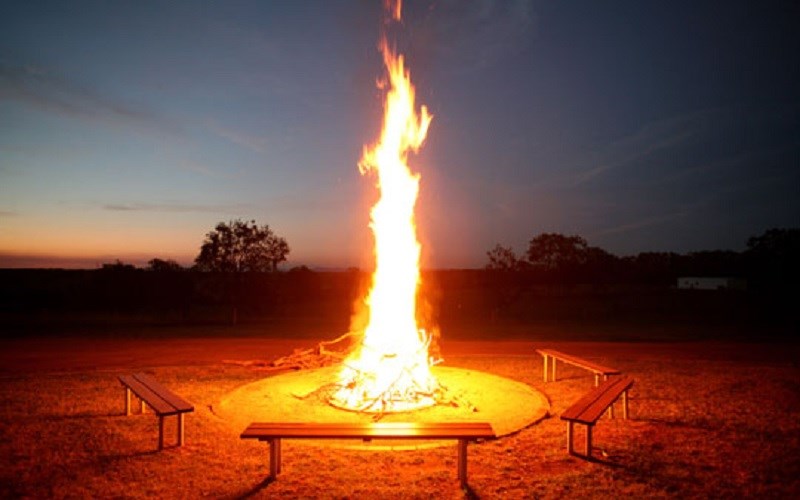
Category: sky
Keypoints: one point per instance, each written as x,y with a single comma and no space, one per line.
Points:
129,129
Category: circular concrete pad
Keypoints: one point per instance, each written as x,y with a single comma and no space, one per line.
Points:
301,397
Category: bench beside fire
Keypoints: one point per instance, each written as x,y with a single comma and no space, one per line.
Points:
600,400
163,402
463,432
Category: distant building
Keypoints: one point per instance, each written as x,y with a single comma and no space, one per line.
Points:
706,283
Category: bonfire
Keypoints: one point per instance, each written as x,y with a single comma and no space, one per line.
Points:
390,369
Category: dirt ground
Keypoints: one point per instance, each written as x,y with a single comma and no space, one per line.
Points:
708,420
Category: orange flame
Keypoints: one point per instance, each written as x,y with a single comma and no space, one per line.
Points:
394,7
391,370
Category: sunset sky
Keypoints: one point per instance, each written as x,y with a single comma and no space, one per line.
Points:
129,129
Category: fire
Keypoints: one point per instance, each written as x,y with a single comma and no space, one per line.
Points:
391,369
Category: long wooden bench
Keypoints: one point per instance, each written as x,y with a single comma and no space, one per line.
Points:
552,355
274,432
591,407
163,402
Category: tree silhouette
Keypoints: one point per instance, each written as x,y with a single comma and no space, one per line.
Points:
599,266
163,266
237,249
118,266
773,258
502,259
556,252
241,246
776,243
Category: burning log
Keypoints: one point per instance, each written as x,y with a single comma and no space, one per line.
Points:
386,403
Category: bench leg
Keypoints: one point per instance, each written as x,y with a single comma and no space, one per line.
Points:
553,362
625,405
160,432
596,379
545,356
589,440
462,462
142,406
274,457
180,429
570,448
127,401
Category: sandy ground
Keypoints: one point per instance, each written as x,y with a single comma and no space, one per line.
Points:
709,420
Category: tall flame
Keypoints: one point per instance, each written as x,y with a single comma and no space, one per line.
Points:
391,370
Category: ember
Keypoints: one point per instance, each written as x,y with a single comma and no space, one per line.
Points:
390,371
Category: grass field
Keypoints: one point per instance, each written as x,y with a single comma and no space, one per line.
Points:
709,420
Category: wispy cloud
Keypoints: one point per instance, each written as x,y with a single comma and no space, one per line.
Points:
8,213
727,164
654,137
642,223
249,141
631,150
176,207
51,93
307,202
206,170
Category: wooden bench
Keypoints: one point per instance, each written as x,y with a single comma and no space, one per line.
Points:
553,355
591,407
163,401
274,432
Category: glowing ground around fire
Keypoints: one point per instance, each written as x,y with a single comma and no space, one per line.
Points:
301,397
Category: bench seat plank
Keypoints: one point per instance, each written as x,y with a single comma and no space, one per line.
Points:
381,430
594,411
592,405
153,399
574,360
178,403
162,401
461,431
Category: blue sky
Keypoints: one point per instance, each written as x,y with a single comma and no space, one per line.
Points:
129,129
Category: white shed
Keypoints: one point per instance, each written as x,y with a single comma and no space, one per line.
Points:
707,283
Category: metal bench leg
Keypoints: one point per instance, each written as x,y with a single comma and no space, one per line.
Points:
596,379
545,356
142,406
610,411
462,462
180,429
569,438
554,369
160,432
588,440
127,401
274,457
625,405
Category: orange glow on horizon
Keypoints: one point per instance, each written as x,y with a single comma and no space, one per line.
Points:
65,245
